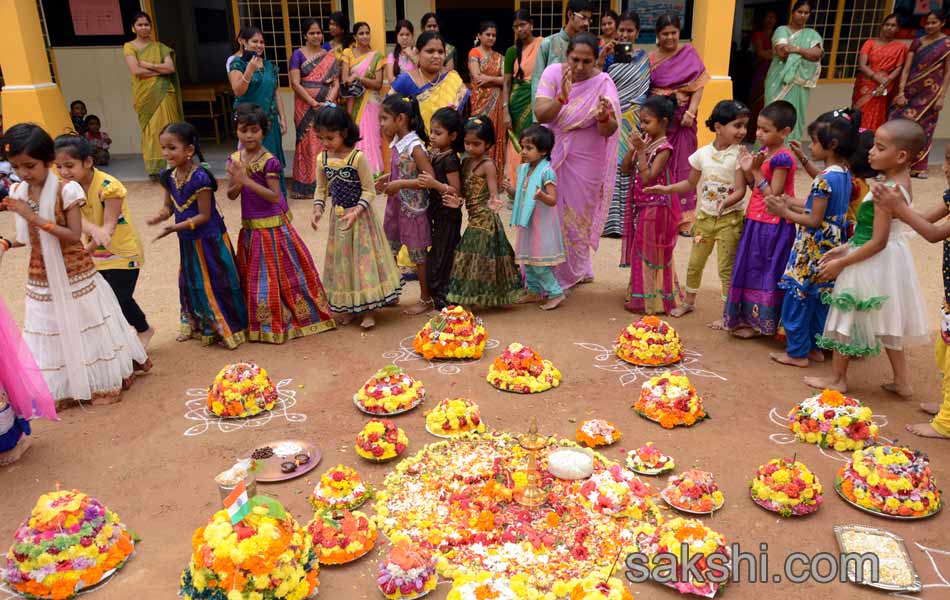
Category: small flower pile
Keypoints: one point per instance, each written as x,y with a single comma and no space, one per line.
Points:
670,400
482,586
340,488
454,416
266,555
390,391
693,491
670,537
406,572
342,536
787,488
648,460
595,588
453,333
381,440
241,390
596,432
522,370
615,491
650,342
70,542
833,420
891,480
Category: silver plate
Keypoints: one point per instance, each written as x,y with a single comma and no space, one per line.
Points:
878,513
917,584
651,472
392,414
690,512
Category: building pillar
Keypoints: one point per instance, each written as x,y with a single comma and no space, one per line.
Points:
712,38
374,13
28,92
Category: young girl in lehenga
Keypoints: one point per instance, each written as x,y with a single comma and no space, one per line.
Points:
359,271
652,220
282,288
484,272
73,324
407,221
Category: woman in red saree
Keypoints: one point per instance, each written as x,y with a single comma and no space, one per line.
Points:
761,43
315,78
923,84
879,66
485,65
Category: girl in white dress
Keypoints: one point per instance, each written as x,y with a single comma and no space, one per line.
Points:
876,300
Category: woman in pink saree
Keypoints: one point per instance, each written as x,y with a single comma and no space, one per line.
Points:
579,104
676,70
363,70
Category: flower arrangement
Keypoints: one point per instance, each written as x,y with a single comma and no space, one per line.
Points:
833,420
671,536
407,572
891,480
453,333
340,488
650,342
241,390
786,487
596,588
340,537
70,542
265,556
614,491
670,400
454,416
693,491
390,391
520,369
649,461
480,586
455,497
381,440
596,432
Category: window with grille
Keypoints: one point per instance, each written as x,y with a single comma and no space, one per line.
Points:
548,15
282,32
598,8
844,25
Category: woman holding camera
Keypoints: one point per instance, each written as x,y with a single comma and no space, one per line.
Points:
630,70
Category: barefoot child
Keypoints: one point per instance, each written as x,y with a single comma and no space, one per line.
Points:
484,272
820,227
406,221
73,324
445,213
876,299
540,245
359,270
111,237
209,290
754,304
934,228
652,221
715,168
282,289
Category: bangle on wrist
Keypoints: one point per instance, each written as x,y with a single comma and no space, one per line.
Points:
191,224
762,185
48,226
561,99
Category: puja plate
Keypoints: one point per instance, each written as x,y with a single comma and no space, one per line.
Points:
270,472
450,437
878,513
417,402
651,472
915,586
688,511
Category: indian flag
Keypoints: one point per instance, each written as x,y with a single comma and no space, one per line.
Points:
237,503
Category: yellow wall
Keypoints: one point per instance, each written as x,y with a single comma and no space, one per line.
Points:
712,38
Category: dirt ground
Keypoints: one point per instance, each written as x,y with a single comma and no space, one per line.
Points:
136,458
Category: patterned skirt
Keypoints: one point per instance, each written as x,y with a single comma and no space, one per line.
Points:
359,271
282,289
212,303
484,272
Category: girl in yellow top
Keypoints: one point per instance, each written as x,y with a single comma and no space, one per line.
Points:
110,237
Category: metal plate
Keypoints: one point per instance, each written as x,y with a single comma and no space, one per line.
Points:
651,472
759,503
915,586
690,512
449,437
270,467
878,513
385,414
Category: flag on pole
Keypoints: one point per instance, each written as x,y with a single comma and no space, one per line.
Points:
237,503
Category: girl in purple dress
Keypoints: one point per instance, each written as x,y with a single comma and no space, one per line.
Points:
282,288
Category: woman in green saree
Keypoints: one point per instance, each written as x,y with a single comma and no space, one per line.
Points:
796,64
518,68
156,93
255,81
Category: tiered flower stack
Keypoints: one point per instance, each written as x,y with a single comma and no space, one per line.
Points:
340,488
649,342
522,370
390,391
241,390
787,488
453,333
833,420
670,537
381,440
891,480
342,536
670,400
453,417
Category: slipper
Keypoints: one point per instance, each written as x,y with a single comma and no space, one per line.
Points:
682,310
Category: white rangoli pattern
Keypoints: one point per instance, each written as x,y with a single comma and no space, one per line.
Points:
197,410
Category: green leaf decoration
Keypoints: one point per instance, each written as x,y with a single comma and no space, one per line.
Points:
274,508
388,371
